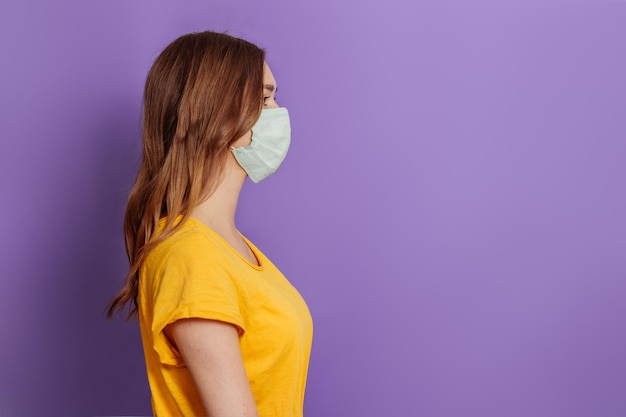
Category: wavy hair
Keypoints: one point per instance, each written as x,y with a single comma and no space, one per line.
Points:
203,92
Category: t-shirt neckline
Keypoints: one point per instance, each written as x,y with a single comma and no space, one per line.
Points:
253,249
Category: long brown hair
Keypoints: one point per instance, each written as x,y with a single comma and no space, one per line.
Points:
203,92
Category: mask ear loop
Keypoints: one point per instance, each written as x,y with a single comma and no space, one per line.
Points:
232,148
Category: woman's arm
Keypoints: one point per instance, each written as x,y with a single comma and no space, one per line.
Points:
210,350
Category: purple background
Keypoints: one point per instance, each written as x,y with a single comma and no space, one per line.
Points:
452,207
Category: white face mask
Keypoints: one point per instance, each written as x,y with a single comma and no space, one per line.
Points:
271,137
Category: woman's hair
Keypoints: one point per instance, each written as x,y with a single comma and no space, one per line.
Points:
203,92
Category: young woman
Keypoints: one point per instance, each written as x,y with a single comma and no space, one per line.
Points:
224,333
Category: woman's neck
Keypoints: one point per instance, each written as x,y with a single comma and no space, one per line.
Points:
218,211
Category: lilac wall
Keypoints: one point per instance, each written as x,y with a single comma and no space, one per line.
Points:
452,207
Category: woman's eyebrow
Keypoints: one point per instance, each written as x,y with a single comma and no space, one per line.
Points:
270,87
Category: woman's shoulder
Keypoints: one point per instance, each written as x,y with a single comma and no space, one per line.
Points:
189,240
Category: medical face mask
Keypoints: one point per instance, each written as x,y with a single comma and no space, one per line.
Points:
271,137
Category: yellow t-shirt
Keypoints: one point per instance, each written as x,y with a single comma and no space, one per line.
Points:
195,274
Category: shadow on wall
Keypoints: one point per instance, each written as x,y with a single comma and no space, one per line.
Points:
78,362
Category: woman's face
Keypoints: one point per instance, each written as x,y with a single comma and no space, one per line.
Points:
269,88
269,102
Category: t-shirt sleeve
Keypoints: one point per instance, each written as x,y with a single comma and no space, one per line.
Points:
194,281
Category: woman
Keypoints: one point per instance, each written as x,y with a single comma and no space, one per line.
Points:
224,333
